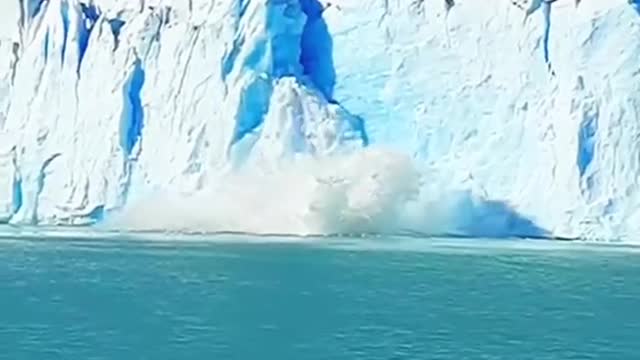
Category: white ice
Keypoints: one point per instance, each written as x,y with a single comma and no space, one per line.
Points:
275,116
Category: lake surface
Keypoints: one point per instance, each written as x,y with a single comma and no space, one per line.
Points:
253,298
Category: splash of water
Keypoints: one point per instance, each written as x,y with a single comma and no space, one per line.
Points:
370,191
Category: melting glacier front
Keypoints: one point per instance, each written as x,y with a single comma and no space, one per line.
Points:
249,115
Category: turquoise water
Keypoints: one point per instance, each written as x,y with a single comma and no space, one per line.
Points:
229,298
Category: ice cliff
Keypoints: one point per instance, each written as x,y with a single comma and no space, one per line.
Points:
479,118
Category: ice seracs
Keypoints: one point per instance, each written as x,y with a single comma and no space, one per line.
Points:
104,102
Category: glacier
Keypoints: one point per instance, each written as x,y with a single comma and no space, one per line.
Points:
432,117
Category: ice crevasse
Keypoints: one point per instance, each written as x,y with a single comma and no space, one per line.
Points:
465,117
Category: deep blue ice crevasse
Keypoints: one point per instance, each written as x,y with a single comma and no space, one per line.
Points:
285,49
116,27
90,16
253,107
16,186
132,123
316,58
316,49
132,114
16,193
64,13
586,141
254,101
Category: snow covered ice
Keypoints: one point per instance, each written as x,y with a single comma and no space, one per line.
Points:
299,117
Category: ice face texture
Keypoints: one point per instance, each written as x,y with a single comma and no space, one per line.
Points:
299,116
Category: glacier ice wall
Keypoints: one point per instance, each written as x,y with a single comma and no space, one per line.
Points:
101,99
250,115
540,113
